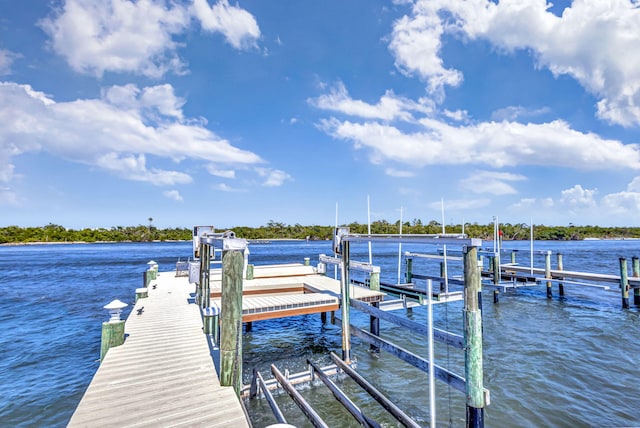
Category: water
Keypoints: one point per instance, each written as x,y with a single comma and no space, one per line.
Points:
548,363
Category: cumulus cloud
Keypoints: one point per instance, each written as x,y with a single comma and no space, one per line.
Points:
416,42
389,107
223,173
6,61
138,37
273,177
237,25
174,195
496,183
578,197
118,132
594,42
496,144
226,188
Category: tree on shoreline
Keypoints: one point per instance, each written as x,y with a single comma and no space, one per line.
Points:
279,230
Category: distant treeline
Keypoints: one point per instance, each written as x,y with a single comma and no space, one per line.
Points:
276,230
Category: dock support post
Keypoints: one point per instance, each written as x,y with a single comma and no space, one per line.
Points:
496,296
374,281
307,261
141,293
560,267
442,274
374,327
547,273
231,320
323,318
513,257
635,262
345,283
495,261
249,271
624,283
205,267
473,340
112,336
409,273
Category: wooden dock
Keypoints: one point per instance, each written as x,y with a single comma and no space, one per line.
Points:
279,291
164,373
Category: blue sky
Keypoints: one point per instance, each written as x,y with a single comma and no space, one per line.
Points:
230,114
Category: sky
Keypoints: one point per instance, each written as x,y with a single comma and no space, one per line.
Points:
203,112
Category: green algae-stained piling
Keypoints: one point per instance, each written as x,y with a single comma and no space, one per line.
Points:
163,374
112,336
495,261
624,283
409,268
231,318
473,340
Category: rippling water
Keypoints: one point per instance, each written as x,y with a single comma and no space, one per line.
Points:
568,361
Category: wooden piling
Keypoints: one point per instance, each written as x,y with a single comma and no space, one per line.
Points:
112,336
231,320
635,263
513,256
374,281
473,340
249,271
205,268
374,328
547,273
495,261
409,270
141,293
560,267
496,296
345,289
624,283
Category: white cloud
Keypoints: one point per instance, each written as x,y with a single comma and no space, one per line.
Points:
389,107
496,144
513,113
237,25
6,61
116,133
415,43
273,177
392,172
491,182
578,197
595,42
226,188
138,37
174,195
624,203
223,173
8,196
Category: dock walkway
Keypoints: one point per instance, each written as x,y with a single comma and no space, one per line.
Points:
163,374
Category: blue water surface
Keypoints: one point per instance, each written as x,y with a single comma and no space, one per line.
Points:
568,361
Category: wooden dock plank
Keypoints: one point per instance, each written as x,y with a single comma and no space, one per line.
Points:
163,375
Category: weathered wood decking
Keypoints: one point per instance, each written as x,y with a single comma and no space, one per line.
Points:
163,374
